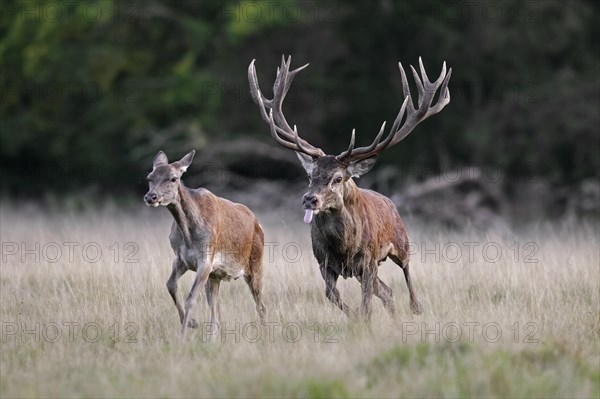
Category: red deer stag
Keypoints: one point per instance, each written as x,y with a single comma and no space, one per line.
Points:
354,230
212,236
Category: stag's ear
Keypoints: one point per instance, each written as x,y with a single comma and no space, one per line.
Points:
185,162
160,159
359,168
306,161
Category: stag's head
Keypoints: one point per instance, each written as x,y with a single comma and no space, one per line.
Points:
164,180
328,181
329,175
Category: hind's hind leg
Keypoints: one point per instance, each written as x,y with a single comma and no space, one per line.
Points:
212,297
254,276
254,283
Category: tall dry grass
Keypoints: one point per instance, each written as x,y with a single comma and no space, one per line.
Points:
524,323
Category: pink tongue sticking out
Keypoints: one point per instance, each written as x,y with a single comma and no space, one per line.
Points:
308,216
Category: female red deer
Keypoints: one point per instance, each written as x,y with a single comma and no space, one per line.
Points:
214,237
354,230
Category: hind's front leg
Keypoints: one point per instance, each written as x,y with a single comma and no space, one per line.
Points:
179,269
202,272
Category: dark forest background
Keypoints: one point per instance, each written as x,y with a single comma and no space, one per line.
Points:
92,90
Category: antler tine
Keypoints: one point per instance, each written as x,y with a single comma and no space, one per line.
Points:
350,147
364,152
405,87
378,138
396,125
408,117
423,73
280,129
445,85
295,71
444,96
256,92
442,75
420,88
444,92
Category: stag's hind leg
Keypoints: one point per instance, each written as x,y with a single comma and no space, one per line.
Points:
415,305
384,292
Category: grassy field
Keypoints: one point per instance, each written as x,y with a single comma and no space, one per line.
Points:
85,313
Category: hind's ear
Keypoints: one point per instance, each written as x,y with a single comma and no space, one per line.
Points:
359,168
185,162
160,159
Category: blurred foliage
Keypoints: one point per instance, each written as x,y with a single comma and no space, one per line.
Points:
91,90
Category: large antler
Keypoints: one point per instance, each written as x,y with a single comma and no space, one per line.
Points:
280,129
399,131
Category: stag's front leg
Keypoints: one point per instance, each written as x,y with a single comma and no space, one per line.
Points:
367,283
202,273
331,292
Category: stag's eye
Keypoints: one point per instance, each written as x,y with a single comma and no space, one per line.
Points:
173,179
338,180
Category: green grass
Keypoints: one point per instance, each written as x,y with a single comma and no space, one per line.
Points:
548,314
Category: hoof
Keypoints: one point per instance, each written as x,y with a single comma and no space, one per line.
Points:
192,323
416,307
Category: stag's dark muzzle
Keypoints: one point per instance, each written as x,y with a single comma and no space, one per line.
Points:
309,201
311,204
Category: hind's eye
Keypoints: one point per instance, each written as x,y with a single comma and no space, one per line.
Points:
338,179
173,179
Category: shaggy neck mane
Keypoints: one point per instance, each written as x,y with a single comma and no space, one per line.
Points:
351,193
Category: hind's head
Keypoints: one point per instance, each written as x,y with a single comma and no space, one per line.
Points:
164,180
